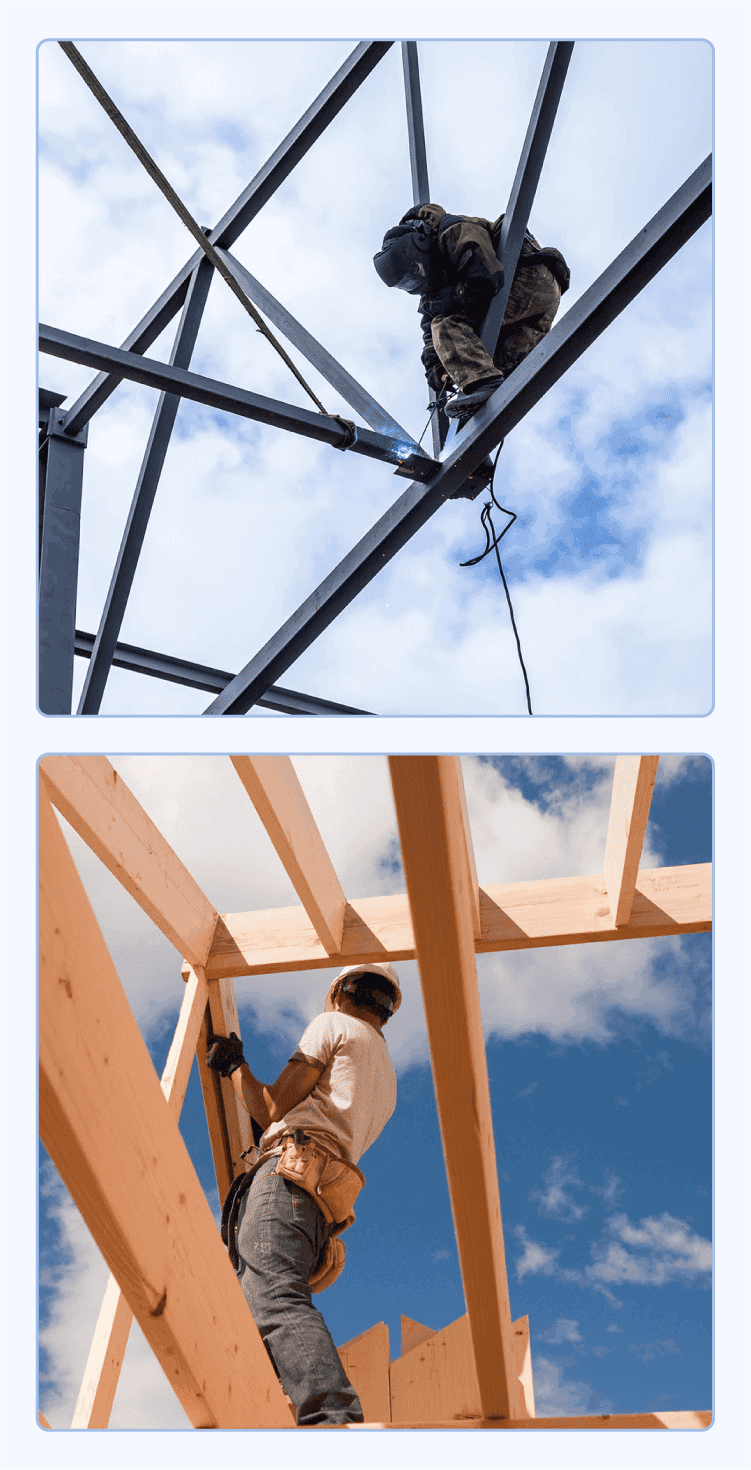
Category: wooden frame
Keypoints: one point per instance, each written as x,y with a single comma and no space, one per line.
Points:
153,1225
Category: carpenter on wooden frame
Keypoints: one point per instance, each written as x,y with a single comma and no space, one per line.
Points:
151,1220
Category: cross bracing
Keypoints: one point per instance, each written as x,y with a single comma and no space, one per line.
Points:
142,1200
434,477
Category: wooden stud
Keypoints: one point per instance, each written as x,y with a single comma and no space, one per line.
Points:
431,831
97,803
435,1377
102,1372
633,784
365,1360
532,915
109,1131
412,1334
275,791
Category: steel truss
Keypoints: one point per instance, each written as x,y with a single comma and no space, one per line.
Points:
451,469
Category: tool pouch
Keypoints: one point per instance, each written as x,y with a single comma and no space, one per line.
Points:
331,1266
333,1183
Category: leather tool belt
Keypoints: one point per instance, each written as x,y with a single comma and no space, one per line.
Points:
332,1182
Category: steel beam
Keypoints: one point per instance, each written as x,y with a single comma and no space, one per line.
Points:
642,259
58,566
201,676
407,457
328,367
524,188
143,499
329,102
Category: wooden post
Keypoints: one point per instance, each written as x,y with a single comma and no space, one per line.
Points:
431,829
109,1131
633,784
275,791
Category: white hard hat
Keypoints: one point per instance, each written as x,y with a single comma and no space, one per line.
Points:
386,971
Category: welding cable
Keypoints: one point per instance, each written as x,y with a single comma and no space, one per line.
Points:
491,544
163,184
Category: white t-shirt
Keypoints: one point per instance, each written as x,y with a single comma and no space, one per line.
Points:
356,1094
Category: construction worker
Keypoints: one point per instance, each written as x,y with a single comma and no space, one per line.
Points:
450,262
282,1220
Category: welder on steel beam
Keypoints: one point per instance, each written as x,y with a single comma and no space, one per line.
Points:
282,1220
450,262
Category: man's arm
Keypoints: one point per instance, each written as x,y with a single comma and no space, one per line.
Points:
268,1103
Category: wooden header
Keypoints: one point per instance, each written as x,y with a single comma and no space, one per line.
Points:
549,911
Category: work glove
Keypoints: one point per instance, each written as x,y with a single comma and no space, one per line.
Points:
225,1053
438,379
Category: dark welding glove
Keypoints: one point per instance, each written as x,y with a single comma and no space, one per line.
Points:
225,1053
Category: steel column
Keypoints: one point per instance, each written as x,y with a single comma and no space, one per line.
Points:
418,158
143,499
329,102
328,367
647,253
408,459
201,676
58,568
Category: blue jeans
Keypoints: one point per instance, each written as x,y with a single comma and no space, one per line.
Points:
281,1235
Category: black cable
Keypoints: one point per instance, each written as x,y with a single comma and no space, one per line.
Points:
491,544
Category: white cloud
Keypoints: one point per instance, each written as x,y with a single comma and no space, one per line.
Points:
563,1329
556,1200
557,1395
537,1259
657,1250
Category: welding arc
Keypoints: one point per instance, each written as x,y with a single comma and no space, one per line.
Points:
162,183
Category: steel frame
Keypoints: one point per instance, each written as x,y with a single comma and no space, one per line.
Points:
456,457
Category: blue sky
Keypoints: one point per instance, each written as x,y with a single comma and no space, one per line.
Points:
610,474
599,1059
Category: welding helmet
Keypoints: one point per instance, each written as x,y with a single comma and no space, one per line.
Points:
404,257
386,993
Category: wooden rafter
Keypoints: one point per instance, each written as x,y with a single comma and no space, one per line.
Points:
275,791
633,784
110,1133
97,803
549,911
433,841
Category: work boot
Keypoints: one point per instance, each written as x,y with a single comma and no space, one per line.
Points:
468,400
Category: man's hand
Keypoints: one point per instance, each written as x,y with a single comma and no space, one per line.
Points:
225,1053
438,379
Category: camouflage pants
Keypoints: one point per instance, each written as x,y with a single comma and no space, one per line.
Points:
532,305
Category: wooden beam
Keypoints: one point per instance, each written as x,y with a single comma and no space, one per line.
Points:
365,1360
110,1133
97,803
675,1419
275,791
549,911
102,1372
431,831
224,1018
633,784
